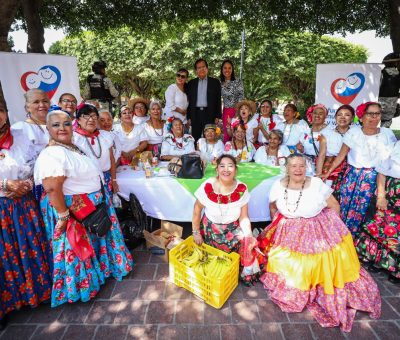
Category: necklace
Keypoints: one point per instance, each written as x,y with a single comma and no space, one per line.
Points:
35,122
155,130
272,158
91,148
371,142
286,197
72,147
342,134
284,133
212,148
125,130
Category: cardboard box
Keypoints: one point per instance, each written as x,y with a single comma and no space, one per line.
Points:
158,245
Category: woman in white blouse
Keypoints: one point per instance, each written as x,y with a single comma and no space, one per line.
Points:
176,143
25,254
312,262
210,146
364,147
274,153
292,127
225,223
37,104
245,112
154,128
239,147
96,144
82,261
139,106
132,137
106,123
176,102
267,121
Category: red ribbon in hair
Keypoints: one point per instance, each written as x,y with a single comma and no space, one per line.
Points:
360,111
311,109
7,140
91,135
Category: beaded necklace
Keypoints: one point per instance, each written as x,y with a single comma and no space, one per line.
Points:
290,131
34,122
72,147
286,197
91,148
155,130
342,134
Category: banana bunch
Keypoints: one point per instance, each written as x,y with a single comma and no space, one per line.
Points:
206,264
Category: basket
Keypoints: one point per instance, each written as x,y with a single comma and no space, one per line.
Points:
214,291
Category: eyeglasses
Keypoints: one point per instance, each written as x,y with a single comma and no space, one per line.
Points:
373,114
67,101
87,117
183,76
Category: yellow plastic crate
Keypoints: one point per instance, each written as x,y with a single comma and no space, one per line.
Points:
213,291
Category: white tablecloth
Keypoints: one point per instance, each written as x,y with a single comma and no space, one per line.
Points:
166,199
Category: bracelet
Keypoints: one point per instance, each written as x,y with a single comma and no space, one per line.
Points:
66,218
4,184
196,232
114,180
63,216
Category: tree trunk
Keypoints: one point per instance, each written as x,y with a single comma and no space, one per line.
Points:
395,24
8,10
35,29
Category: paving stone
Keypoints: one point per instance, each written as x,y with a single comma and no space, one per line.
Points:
20,316
162,273
126,290
143,272
254,292
388,313
106,289
18,332
191,312
244,312
111,332
304,316
141,257
270,331
131,312
103,312
173,292
160,312
79,332
392,287
75,312
157,259
331,333
386,330
45,314
218,316
235,332
151,290
142,332
395,303
173,332
296,331
270,312
361,330
237,294
204,333
53,331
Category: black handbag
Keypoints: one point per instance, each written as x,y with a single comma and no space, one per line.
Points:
192,167
98,222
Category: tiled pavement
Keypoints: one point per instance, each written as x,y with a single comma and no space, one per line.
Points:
146,306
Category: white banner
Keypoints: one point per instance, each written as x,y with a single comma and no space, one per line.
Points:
20,72
351,84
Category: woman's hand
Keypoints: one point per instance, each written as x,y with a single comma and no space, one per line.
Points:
325,176
18,187
300,147
198,239
60,227
381,203
115,187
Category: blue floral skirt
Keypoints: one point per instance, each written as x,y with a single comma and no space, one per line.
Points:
356,191
74,279
108,185
25,278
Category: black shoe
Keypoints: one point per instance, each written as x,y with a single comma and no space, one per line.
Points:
393,279
3,322
371,268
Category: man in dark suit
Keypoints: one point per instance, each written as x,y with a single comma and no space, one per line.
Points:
204,95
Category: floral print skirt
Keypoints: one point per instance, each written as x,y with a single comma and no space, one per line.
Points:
356,191
379,240
25,278
313,263
74,279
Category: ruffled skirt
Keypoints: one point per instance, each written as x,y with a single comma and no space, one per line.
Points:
313,264
25,278
74,279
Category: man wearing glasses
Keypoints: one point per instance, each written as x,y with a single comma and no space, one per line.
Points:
204,95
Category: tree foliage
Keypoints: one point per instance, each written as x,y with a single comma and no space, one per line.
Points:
277,64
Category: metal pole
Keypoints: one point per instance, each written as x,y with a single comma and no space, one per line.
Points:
242,53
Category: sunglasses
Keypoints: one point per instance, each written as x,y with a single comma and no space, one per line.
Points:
182,76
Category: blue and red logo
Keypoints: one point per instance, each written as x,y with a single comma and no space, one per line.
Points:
47,78
345,90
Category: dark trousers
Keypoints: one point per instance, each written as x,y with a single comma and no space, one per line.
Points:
199,120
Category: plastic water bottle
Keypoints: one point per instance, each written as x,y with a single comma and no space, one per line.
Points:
147,169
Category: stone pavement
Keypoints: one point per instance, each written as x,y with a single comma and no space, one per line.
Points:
146,306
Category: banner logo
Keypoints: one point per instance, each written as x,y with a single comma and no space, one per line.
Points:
47,78
345,90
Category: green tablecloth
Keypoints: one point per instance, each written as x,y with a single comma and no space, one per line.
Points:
252,174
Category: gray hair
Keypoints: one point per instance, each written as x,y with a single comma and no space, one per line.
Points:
155,102
29,94
56,113
278,133
105,111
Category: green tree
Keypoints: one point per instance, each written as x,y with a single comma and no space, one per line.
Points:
277,64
